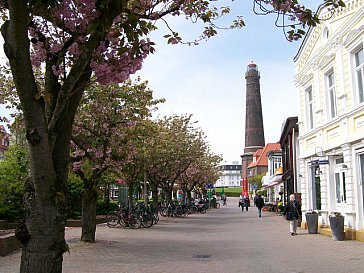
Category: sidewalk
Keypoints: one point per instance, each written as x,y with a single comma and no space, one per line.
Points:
223,240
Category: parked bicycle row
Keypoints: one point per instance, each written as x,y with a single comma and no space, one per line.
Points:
136,217
147,216
174,209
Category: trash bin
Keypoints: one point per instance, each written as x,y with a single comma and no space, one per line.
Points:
337,227
312,222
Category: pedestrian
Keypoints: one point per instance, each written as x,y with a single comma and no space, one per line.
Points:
241,202
292,212
259,203
246,202
224,200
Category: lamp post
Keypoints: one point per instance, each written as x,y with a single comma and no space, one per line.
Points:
145,187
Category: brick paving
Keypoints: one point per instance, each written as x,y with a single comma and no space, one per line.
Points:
224,240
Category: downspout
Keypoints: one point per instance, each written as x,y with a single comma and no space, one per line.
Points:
294,160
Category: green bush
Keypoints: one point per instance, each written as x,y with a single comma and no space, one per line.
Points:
74,194
14,170
11,213
229,192
103,207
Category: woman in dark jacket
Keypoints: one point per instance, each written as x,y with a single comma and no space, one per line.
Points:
292,211
259,203
246,203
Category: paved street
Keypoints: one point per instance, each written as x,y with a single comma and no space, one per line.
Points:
224,240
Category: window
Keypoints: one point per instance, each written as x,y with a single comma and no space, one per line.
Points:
277,162
340,187
330,83
359,71
325,34
309,108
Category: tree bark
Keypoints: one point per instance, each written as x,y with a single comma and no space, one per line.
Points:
42,234
48,131
188,193
89,201
169,194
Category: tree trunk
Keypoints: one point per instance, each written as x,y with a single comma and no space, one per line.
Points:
188,193
42,233
169,195
89,200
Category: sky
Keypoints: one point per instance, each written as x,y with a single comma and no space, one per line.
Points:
208,81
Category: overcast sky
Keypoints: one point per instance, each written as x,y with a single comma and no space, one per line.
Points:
208,80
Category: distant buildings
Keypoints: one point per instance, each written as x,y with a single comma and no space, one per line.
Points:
230,175
259,165
272,181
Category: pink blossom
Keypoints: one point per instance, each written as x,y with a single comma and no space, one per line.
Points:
77,166
57,70
56,47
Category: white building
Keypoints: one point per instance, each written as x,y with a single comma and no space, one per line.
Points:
230,175
330,80
272,181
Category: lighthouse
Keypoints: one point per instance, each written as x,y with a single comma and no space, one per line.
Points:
254,129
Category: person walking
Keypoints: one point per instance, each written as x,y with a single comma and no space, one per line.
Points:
246,203
241,202
224,200
292,212
259,203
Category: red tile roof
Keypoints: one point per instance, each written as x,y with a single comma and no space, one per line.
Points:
261,155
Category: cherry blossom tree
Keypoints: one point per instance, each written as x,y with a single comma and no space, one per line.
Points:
69,41
101,140
172,150
204,170
134,171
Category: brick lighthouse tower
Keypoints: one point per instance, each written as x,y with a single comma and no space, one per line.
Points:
254,129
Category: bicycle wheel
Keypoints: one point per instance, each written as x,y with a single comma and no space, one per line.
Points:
112,219
203,210
134,221
217,205
163,212
122,221
147,220
155,218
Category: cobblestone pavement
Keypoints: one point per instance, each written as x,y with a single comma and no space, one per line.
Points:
223,240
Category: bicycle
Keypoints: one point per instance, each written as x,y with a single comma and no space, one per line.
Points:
123,217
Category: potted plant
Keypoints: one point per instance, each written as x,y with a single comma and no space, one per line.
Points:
312,221
337,226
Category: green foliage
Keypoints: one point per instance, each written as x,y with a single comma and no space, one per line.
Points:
103,207
262,192
75,192
229,192
256,180
14,169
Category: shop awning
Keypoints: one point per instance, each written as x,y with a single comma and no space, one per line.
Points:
265,181
277,179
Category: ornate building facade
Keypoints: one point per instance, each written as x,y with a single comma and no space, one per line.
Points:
330,80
